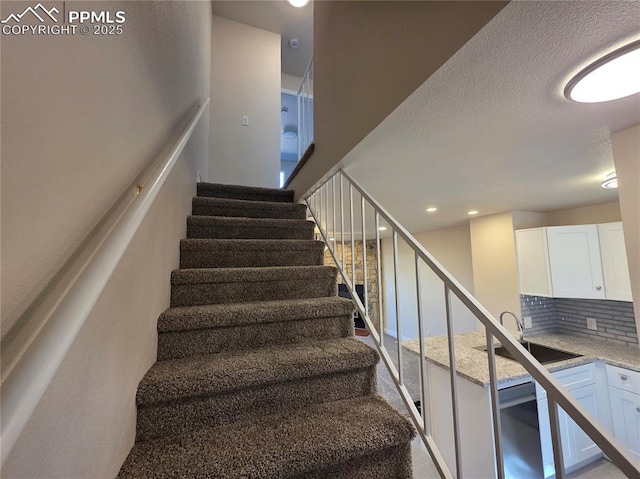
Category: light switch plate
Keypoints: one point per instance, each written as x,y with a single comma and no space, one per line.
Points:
527,322
591,324
245,120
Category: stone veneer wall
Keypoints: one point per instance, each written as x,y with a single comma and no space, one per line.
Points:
614,319
372,272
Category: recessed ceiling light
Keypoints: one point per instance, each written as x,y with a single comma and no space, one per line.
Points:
298,3
382,228
432,209
472,212
610,181
613,76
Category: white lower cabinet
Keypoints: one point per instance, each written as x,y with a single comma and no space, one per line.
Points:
577,448
624,393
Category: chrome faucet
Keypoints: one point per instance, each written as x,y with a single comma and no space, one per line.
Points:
518,322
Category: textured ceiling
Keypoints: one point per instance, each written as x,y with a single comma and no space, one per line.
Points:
277,17
491,130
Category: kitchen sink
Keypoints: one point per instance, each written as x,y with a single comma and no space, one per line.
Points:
543,354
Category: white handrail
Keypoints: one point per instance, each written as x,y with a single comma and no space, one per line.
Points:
28,374
557,395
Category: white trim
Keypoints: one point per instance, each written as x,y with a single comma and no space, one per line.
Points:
27,376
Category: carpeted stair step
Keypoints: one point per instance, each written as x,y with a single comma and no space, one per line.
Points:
236,253
352,439
248,209
178,395
220,227
216,190
191,287
208,329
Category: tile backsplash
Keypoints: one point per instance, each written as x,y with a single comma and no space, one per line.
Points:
614,319
543,314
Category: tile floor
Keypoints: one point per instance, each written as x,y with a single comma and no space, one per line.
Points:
601,469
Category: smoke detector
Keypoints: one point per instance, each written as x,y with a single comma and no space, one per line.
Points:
294,43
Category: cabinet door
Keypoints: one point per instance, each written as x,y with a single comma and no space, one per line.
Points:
580,445
614,262
533,262
574,260
625,410
577,447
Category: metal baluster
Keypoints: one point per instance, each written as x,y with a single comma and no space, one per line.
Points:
454,384
379,280
555,438
342,223
303,133
396,274
299,123
320,208
326,204
306,112
423,366
309,103
315,206
333,203
364,258
353,241
495,406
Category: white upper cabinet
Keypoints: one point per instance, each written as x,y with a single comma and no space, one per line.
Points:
574,260
614,262
584,261
533,262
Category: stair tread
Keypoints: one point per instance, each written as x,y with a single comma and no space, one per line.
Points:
247,204
249,227
275,446
200,220
250,244
241,275
205,188
204,375
226,315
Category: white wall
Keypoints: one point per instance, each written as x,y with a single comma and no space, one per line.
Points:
528,219
81,115
245,80
626,155
495,273
452,248
359,48
593,214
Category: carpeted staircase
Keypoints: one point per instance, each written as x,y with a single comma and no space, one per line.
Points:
258,373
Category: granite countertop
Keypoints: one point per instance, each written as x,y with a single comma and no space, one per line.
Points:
472,364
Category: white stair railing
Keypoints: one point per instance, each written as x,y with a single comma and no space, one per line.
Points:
305,111
331,204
